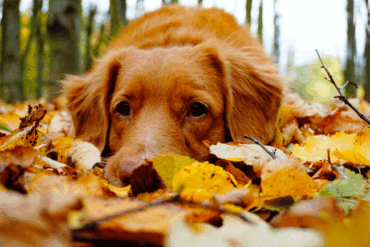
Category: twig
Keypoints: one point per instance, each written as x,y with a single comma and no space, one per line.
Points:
273,153
340,91
94,224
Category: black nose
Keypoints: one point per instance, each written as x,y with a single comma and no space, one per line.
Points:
125,171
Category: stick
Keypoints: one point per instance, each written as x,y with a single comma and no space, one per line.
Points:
273,153
340,91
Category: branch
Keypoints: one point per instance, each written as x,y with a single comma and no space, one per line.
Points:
340,91
93,225
273,153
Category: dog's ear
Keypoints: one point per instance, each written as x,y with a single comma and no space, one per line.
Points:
255,93
89,96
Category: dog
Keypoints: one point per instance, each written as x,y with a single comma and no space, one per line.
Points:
174,78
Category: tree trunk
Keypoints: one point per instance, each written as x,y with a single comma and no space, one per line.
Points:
96,49
40,50
248,8
11,80
349,72
35,32
367,56
260,22
139,10
63,28
200,2
118,16
89,30
275,51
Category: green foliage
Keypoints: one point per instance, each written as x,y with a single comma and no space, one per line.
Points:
346,190
309,80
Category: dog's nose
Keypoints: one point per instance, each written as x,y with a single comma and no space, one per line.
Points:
125,171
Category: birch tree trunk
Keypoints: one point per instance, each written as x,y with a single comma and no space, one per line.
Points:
275,51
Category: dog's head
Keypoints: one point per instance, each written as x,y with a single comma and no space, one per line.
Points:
137,104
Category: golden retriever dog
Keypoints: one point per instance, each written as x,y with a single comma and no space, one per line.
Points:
174,78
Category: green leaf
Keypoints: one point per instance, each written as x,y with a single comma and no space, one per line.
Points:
4,127
353,186
168,165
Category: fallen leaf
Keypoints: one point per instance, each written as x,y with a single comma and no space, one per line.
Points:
250,154
204,176
281,178
148,226
34,220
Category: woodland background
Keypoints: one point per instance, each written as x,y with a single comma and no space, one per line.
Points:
38,48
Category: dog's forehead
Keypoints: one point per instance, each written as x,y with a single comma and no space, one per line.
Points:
160,71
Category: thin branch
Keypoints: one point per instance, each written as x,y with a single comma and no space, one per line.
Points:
340,91
273,155
94,224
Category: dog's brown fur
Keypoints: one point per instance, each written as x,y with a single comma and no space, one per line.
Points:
161,64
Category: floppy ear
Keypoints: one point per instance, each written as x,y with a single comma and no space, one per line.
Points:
255,93
89,96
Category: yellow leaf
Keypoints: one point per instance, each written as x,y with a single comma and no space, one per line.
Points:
204,176
356,154
281,178
168,165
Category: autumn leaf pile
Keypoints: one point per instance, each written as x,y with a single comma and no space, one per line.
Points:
315,193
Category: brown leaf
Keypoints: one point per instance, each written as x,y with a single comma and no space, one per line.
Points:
35,115
240,176
149,225
145,179
341,120
34,220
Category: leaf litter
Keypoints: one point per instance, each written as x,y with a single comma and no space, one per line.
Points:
316,194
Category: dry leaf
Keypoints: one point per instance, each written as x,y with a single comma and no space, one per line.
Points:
281,178
250,154
34,220
145,226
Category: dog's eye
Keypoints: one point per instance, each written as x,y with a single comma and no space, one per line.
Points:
123,108
198,109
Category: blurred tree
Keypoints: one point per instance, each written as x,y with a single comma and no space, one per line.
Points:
118,17
349,72
40,47
63,29
89,30
200,2
367,55
35,32
102,36
291,60
163,2
174,1
139,10
11,80
248,8
260,22
275,50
